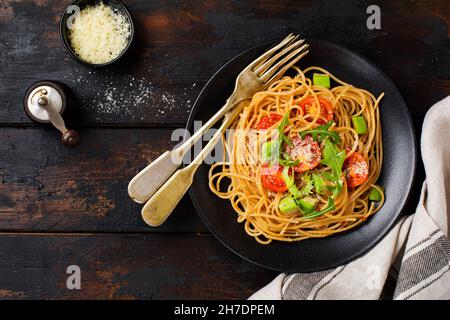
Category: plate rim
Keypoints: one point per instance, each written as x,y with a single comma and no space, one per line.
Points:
411,180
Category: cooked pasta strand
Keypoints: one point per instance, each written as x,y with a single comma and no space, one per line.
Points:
257,207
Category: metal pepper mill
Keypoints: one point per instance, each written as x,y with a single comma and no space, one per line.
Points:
45,102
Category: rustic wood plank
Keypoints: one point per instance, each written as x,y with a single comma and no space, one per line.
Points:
179,45
125,267
46,187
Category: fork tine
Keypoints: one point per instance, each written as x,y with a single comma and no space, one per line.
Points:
263,68
267,54
273,51
281,72
288,61
278,75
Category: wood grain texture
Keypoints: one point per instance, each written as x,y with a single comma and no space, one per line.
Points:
124,267
180,44
50,197
46,187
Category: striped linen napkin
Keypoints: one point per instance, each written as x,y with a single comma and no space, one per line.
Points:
415,253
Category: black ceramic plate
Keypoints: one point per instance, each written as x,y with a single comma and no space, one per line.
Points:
397,173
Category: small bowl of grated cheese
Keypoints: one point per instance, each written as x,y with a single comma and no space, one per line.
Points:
96,33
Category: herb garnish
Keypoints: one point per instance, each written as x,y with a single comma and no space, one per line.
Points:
321,132
330,207
334,159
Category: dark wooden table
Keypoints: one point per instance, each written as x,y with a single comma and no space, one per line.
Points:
61,207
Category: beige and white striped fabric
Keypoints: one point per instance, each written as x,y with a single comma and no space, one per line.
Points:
413,260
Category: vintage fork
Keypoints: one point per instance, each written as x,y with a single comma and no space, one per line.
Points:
269,67
266,69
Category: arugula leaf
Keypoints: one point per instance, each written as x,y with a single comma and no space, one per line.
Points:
287,141
321,132
282,137
319,183
330,207
334,186
283,124
298,195
336,189
327,175
309,185
277,143
289,162
290,183
334,159
319,135
293,190
325,126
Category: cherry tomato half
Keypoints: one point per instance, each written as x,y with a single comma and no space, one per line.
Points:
356,170
306,151
268,121
271,178
309,106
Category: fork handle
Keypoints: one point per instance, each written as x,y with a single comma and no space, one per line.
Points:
164,201
147,181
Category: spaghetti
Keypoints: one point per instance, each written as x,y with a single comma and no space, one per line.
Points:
303,159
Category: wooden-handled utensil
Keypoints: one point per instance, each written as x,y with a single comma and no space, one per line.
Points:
162,203
257,76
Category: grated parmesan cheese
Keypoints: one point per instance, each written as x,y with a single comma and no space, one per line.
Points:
99,34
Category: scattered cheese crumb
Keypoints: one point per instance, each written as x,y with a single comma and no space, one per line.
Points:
99,34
